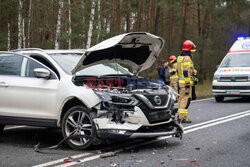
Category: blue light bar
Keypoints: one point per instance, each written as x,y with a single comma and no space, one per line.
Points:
241,37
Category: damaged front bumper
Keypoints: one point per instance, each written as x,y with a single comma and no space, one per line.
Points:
170,128
138,116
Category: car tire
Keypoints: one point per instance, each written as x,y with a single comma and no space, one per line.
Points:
78,121
219,99
1,128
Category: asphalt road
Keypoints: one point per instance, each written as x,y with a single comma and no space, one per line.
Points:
218,136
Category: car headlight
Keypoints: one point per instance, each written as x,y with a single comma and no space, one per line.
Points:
216,78
173,93
120,99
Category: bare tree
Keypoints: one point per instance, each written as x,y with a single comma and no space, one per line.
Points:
185,15
149,15
199,17
29,23
138,19
58,25
23,34
8,44
70,29
91,21
157,20
128,16
19,42
99,20
83,21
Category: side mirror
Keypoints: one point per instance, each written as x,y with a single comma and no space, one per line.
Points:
42,73
217,67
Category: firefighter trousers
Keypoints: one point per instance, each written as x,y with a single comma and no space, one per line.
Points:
184,101
174,85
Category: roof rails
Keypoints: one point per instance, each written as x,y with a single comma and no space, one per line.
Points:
27,49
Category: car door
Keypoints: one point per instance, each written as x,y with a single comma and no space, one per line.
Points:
25,96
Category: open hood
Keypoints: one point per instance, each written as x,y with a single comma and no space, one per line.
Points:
138,50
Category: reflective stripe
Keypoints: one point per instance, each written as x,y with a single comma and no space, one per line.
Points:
190,64
185,79
179,59
172,61
182,70
183,111
172,70
173,77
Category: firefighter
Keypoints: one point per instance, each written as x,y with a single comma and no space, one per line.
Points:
173,74
186,74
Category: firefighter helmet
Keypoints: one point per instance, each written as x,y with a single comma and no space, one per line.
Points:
172,58
188,46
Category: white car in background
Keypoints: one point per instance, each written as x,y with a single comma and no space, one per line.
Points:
50,88
232,78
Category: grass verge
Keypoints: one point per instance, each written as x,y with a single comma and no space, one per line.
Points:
204,90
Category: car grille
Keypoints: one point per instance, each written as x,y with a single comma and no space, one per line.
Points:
155,116
232,87
164,99
234,79
155,112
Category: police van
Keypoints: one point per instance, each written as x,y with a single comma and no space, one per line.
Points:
232,78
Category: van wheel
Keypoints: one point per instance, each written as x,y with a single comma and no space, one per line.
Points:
219,98
1,128
78,121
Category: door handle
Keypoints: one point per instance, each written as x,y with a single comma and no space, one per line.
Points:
3,84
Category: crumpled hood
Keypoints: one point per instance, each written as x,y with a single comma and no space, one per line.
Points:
138,50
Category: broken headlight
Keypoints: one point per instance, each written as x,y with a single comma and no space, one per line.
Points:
119,99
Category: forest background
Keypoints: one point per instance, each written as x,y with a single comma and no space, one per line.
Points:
212,25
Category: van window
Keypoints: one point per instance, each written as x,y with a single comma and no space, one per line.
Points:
236,60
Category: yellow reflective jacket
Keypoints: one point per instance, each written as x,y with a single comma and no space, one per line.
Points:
173,72
185,70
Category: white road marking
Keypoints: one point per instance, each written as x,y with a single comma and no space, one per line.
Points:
194,101
191,128
82,161
202,100
217,123
61,160
214,120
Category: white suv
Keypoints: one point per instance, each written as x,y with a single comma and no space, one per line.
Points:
88,92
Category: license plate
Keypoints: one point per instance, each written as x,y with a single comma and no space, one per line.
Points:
233,92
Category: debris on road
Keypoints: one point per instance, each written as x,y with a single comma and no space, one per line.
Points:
67,160
70,159
191,162
161,162
197,148
109,154
113,164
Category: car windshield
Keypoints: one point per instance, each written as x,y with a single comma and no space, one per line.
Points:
236,60
69,60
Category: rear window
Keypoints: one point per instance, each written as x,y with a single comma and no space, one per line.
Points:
236,60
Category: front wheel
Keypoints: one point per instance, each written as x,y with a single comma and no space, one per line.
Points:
78,121
219,98
1,128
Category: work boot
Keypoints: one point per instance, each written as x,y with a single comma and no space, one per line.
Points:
187,121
